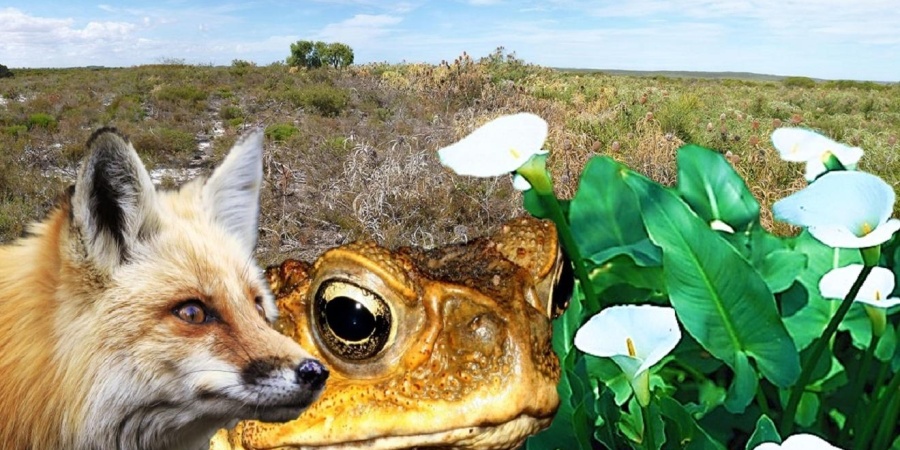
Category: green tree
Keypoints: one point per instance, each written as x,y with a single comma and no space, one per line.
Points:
338,55
311,54
5,72
303,54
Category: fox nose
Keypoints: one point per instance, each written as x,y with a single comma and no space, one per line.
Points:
311,373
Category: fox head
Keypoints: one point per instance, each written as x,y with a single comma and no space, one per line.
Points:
163,316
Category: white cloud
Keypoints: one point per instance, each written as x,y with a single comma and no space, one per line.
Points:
361,30
27,40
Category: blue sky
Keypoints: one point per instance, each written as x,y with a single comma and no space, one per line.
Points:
832,39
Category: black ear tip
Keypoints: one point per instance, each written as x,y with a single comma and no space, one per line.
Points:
104,131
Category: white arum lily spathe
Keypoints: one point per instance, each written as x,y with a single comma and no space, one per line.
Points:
874,291
872,294
798,442
497,147
635,337
802,145
719,225
843,209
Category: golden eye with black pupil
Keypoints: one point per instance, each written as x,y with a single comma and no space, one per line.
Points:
193,312
354,323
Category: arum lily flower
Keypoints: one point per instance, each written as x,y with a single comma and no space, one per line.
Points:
844,209
876,287
798,442
635,336
802,145
719,225
498,147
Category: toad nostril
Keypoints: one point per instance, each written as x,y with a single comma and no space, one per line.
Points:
312,373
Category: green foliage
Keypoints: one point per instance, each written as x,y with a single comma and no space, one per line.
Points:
854,84
164,145
41,120
280,132
185,93
505,66
311,54
679,116
336,55
325,99
5,72
231,112
15,130
747,299
242,63
800,82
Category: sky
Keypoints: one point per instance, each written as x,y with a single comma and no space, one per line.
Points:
829,39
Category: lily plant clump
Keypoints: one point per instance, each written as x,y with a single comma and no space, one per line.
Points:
691,325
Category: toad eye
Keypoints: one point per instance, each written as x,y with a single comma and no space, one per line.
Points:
355,323
193,312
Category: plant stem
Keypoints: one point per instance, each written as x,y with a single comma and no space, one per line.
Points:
570,247
649,438
887,395
763,401
858,388
889,423
787,421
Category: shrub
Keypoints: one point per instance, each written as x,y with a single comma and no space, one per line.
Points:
231,112
281,131
41,120
175,93
5,72
326,100
162,144
801,82
15,130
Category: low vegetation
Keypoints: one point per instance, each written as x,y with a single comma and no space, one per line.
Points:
351,153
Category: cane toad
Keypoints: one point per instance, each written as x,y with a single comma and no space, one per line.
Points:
446,348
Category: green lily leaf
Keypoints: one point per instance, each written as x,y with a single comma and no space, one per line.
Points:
778,264
608,415
565,327
607,372
743,387
533,204
605,216
834,379
808,409
572,426
887,344
631,424
683,430
859,326
710,395
765,431
623,270
808,323
820,259
733,317
712,188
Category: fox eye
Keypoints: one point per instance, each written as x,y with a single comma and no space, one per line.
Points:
259,307
192,311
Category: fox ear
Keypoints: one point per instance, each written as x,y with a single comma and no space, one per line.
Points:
232,192
113,204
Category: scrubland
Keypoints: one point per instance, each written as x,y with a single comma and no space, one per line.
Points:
351,153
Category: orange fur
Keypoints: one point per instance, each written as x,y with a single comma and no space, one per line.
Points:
95,355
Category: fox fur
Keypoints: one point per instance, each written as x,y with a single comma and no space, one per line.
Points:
132,318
